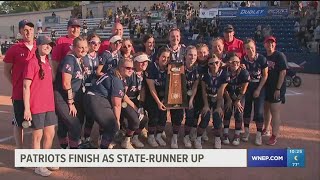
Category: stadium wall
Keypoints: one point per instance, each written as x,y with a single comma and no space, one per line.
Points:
7,20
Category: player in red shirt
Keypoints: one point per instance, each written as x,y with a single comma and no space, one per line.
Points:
15,61
38,98
231,43
64,44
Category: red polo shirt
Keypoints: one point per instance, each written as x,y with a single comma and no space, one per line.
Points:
63,46
41,91
105,45
18,55
235,46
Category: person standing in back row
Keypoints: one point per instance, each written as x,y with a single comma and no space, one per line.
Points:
231,43
15,60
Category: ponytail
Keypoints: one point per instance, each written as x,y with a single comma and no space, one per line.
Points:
41,71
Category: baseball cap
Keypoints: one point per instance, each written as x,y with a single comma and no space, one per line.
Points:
24,22
270,38
228,28
141,58
115,39
41,40
74,22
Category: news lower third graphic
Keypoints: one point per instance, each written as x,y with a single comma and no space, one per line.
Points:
276,158
160,158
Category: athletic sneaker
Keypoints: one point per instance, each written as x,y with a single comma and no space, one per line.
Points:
53,168
152,141
144,133
160,140
258,140
187,142
112,145
266,133
174,141
205,136
225,139
86,144
236,140
43,171
163,135
126,143
217,142
246,134
197,143
272,141
136,142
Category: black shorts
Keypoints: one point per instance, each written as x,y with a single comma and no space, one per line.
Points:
270,95
41,120
18,110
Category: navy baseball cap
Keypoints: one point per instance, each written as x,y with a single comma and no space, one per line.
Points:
41,40
74,22
228,28
24,22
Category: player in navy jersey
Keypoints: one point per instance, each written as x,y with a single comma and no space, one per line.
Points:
126,48
104,100
275,88
202,61
217,47
213,84
149,47
90,64
68,91
192,78
156,79
110,58
178,50
257,66
132,109
234,97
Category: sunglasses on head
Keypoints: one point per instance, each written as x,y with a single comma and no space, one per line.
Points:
212,63
118,42
95,42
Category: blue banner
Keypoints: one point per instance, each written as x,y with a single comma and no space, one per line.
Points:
267,158
279,11
252,11
228,13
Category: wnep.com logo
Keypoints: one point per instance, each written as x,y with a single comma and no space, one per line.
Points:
267,158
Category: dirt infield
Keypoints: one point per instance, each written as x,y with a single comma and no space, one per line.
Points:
300,129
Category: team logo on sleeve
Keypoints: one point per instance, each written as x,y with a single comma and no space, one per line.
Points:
68,67
121,93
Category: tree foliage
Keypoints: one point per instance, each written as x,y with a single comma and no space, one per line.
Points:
29,6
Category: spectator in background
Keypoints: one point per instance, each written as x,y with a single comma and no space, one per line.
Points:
258,34
266,31
39,26
53,14
302,36
85,28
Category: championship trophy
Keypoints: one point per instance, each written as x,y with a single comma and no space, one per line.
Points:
175,93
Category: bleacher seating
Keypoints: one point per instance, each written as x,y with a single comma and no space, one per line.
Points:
92,23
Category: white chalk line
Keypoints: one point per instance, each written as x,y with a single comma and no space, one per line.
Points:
12,137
